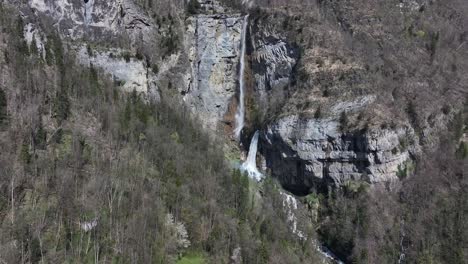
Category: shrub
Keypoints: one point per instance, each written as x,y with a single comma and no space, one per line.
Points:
318,113
446,109
6,56
139,55
61,106
155,68
33,47
58,52
403,144
126,56
312,200
462,151
94,81
343,121
433,41
319,62
25,155
193,7
170,43
40,137
420,33
89,49
3,107
402,172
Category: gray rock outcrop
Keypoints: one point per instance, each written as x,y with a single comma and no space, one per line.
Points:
304,153
100,22
103,19
214,51
132,74
273,60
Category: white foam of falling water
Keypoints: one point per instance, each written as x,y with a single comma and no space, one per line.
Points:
240,115
290,206
250,165
88,226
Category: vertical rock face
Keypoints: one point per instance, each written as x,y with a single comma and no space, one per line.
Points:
132,74
304,153
106,22
214,55
77,18
273,61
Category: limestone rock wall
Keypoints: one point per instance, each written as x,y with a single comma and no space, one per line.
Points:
214,43
306,153
273,59
132,74
103,26
77,18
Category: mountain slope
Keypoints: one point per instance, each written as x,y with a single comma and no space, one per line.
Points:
93,174
117,131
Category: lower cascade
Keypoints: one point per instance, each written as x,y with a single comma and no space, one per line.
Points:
250,165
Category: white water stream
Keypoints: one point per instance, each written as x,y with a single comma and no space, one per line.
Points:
240,115
250,165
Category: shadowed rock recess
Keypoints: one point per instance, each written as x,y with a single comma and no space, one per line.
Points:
308,153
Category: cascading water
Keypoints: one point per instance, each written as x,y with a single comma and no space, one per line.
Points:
250,165
240,115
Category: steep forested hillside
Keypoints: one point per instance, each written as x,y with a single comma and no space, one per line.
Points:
90,174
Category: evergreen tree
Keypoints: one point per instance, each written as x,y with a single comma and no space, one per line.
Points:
61,106
3,107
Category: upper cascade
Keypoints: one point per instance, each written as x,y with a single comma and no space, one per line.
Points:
240,115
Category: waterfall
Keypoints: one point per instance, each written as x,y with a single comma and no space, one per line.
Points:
326,253
250,165
240,115
402,256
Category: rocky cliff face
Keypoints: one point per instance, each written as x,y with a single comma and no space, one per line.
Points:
131,73
273,59
116,23
214,50
100,19
307,153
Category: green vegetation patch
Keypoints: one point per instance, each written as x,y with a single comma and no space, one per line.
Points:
192,258
405,169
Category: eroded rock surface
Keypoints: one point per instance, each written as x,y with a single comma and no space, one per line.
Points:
76,18
214,56
106,26
273,60
132,74
304,153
